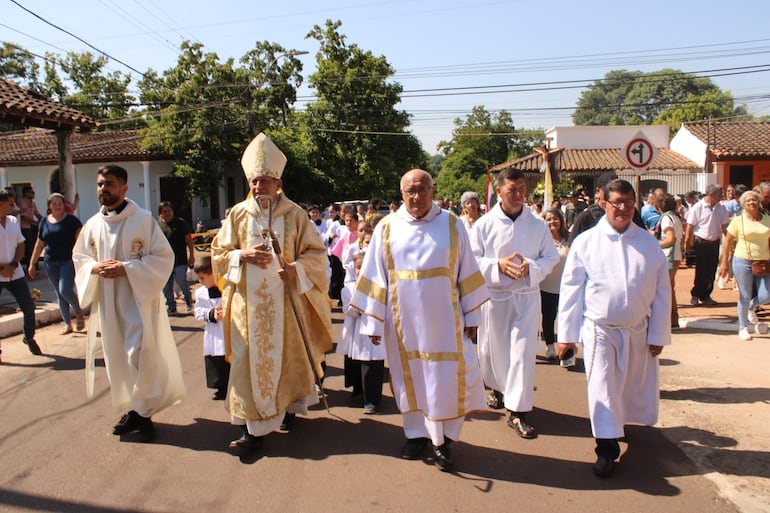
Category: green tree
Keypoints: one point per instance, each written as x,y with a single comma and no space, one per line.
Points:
360,140
102,95
712,104
18,65
479,141
204,111
638,98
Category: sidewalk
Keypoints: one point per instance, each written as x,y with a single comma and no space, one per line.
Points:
720,317
47,311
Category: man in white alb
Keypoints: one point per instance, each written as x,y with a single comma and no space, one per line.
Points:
615,299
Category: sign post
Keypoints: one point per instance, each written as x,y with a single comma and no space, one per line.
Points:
639,153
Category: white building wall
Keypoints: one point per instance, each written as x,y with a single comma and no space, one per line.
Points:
85,183
605,137
685,143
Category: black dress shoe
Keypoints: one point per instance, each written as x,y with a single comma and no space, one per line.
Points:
219,395
603,466
413,448
442,456
146,431
246,443
127,423
32,345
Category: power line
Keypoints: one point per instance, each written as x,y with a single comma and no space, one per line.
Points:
57,27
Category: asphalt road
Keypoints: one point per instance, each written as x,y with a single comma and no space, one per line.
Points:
57,452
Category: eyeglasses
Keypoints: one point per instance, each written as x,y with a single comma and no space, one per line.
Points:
629,203
422,191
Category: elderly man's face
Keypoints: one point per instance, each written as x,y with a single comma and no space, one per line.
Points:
417,191
265,186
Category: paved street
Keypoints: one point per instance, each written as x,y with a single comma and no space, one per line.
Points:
58,453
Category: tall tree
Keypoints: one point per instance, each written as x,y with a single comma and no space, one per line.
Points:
360,139
637,98
479,141
204,112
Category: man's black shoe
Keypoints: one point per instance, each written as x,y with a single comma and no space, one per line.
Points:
127,423
442,456
603,466
413,448
246,443
146,430
32,345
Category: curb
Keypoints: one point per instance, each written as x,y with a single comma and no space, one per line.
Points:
13,324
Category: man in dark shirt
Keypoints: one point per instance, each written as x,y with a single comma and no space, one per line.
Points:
179,236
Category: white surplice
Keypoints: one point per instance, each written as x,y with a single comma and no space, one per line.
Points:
419,288
615,299
139,349
510,321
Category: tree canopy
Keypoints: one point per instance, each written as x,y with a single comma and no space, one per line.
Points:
637,98
360,140
479,141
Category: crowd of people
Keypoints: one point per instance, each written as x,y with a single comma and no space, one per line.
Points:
499,282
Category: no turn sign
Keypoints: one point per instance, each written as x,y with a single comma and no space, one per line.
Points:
639,152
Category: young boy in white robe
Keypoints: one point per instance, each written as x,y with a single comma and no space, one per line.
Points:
364,361
208,308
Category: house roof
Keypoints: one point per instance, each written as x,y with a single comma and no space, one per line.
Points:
737,139
598,160
25,107
38,147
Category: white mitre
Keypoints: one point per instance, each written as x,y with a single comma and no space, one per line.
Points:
263,158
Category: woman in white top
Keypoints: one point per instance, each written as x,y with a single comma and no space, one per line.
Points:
471,206
670,230
549,287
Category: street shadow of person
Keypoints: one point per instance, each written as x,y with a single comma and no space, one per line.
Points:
715,453
56,362
719,395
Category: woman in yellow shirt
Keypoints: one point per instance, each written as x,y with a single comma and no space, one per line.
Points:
747,239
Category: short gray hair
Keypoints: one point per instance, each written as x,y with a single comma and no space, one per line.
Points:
746,195
469,195
713,188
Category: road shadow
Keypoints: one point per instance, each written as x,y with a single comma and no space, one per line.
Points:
719,395
55,362
714,452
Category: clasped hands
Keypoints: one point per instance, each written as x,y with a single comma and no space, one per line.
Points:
261,255
109,269
514,266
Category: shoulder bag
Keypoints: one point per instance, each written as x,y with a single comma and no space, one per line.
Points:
758,267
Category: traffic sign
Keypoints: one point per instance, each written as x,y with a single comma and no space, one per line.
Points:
639,152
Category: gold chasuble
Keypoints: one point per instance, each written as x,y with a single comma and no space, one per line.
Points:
270,367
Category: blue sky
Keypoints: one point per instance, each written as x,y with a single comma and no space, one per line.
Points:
438,44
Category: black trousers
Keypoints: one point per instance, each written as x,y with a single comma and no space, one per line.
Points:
217,372
706,261
337,279
549,304
366,377
607,447
19,289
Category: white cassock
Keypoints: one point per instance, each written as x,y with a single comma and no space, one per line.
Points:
615,299
419,288
510,321
353,343
139,349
